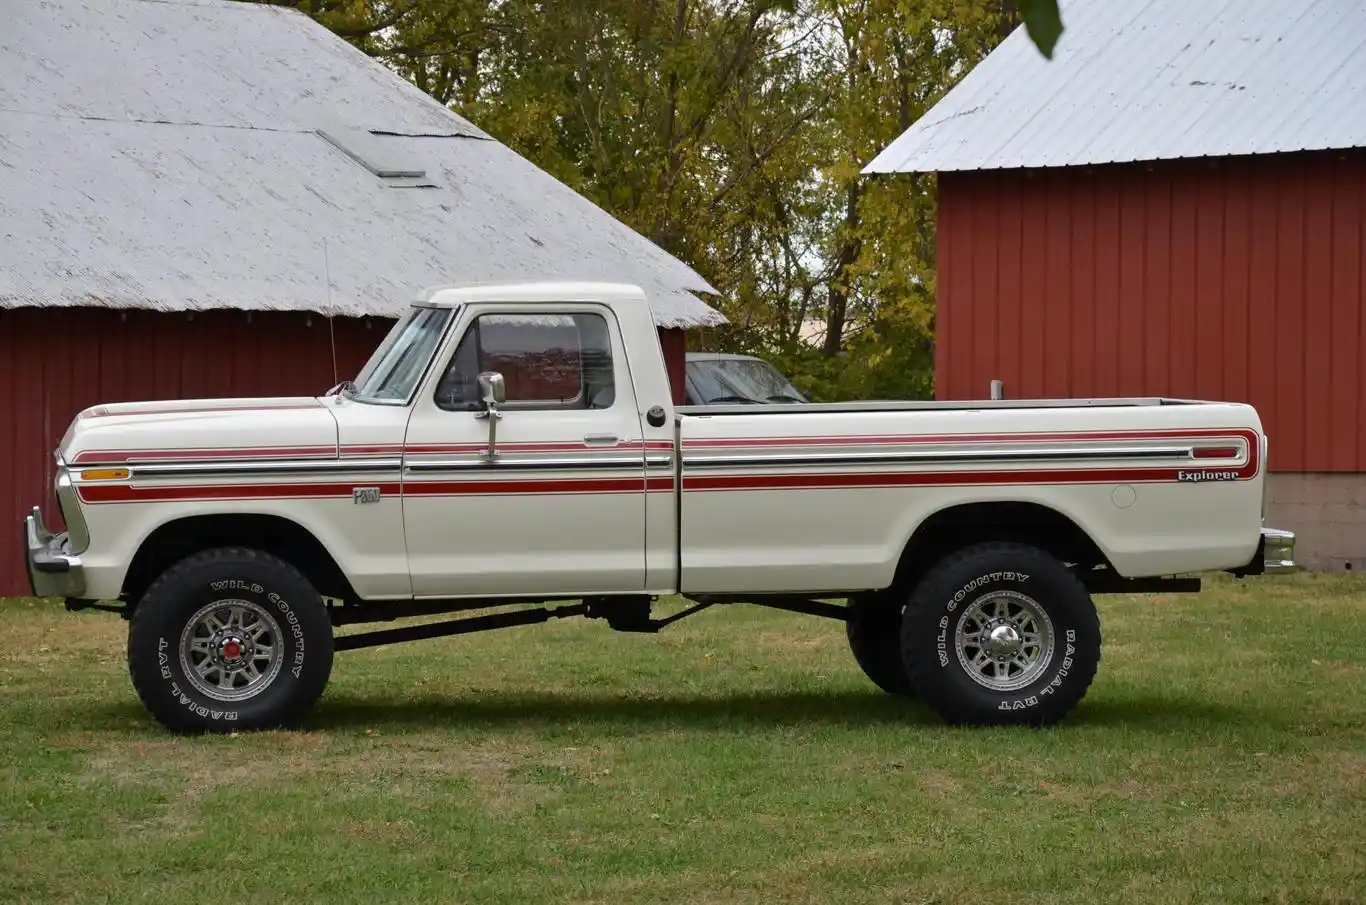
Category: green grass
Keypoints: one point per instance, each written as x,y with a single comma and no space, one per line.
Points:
737,757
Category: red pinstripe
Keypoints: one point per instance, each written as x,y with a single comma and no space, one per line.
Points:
237,453
130,493
103,411
897,439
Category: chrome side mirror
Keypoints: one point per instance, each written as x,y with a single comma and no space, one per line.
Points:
493,393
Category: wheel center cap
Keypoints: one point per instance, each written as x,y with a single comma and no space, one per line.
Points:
231,649
1002,640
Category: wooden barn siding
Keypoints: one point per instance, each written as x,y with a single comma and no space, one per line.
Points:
54,362
674,345
1240,279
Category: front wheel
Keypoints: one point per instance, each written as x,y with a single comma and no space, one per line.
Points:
230,640
1001,634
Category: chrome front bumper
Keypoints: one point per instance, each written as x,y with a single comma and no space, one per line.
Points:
1277,551
53,570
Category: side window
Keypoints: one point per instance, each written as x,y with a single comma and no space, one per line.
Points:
548,361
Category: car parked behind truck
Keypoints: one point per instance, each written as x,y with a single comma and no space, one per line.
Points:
514,448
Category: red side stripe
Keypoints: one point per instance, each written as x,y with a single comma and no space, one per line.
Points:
895,439
934,479
127,493
202,455
280,452
104,412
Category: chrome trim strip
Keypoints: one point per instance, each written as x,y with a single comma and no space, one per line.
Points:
262,468
530,464
936,457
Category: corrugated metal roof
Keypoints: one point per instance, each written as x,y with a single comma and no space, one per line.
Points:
1151,80
166,154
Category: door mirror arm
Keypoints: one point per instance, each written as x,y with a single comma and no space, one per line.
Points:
492,393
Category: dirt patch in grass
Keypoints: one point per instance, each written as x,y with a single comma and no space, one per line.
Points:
505,774
45,634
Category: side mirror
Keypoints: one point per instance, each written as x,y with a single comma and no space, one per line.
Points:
493,393
492,390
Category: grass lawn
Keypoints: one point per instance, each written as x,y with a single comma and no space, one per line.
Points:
737,757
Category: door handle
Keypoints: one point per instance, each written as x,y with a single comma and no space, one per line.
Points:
601,439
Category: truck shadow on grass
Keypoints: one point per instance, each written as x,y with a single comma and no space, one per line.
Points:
851,710
549,711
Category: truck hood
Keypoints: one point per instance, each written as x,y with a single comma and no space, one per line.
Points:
201,430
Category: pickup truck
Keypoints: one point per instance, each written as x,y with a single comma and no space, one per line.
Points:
512,449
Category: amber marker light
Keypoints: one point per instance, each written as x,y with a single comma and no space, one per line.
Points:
104,474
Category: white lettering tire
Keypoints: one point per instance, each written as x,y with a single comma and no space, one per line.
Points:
1000,634
230,639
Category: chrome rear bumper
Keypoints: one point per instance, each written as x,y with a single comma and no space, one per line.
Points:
1277,550
53,570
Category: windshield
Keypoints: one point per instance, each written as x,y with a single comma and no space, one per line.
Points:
394,370
741,380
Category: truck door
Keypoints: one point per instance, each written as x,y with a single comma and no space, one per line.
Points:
559,505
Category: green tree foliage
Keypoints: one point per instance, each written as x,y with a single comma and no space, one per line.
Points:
731,132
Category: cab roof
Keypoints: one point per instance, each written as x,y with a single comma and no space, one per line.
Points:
449,295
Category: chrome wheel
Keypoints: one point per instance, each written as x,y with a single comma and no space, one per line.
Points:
1004,640
231,650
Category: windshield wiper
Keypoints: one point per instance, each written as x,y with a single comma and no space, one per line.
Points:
784,397
744,399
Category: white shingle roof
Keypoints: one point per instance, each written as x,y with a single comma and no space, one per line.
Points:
1150,80
166,154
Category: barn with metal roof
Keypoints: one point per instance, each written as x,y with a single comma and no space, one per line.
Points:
207,198
1175,204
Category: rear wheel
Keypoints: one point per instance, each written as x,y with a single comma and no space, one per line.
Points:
230,639
874,630
1001,634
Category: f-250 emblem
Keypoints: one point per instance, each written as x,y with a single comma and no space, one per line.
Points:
364,495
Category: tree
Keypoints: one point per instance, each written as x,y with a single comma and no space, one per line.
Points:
732,133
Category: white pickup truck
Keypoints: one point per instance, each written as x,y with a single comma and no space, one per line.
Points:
511,447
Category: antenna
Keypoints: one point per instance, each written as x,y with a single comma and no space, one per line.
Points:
331,332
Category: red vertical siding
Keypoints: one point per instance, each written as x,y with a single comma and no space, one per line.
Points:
53,363
1239,279
674,344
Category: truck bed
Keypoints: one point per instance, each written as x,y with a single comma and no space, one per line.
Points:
805,498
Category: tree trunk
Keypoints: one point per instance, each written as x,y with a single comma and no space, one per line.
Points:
1010,17
837,311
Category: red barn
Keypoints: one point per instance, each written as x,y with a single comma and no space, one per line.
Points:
1174,205
203,198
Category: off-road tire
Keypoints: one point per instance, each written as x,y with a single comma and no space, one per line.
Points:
874,630
253,579
981,576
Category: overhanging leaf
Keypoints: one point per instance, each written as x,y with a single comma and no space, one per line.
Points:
1043,22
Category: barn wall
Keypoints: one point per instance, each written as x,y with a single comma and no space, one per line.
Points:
53,363
1240,279
674,344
